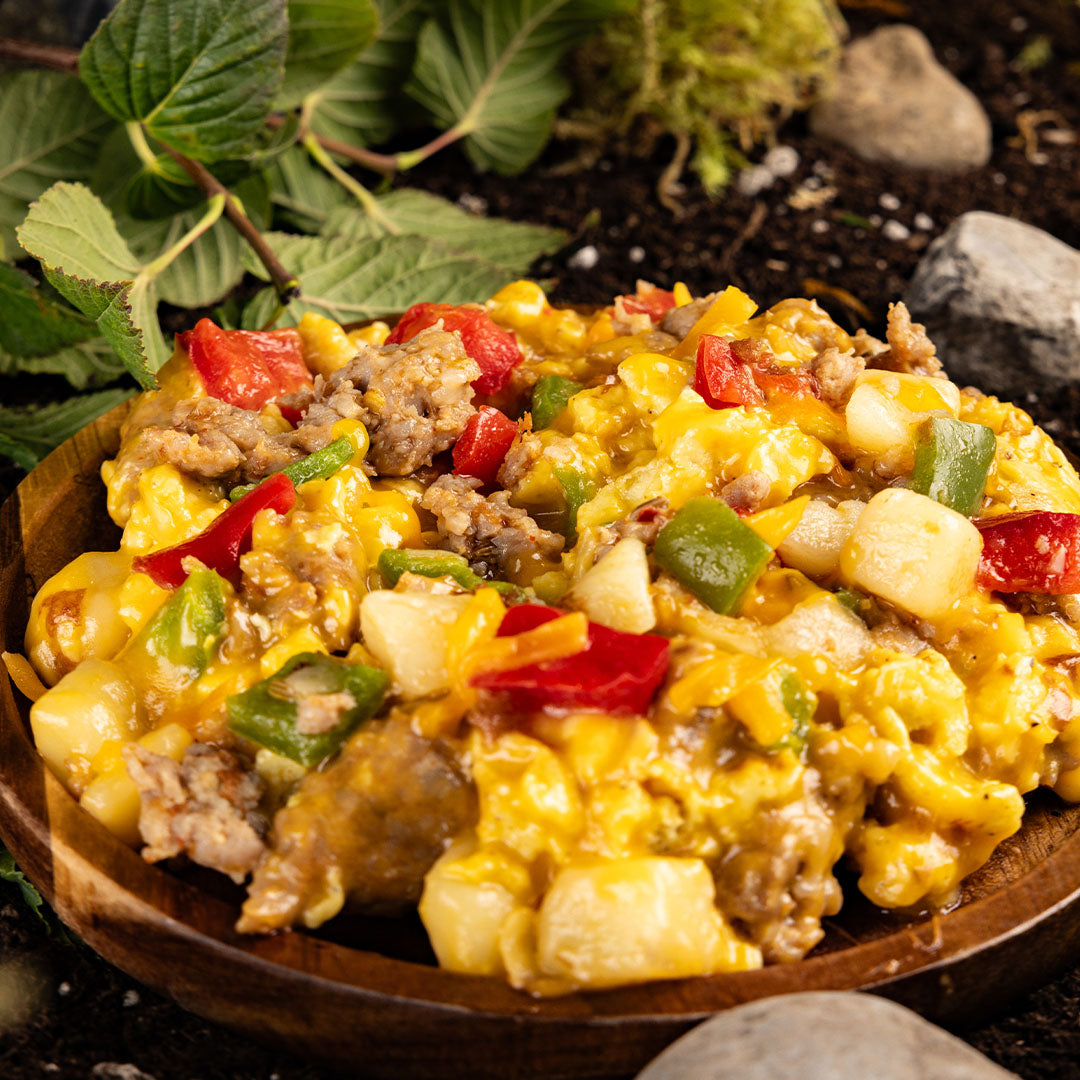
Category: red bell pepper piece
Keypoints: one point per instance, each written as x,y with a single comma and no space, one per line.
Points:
246,368
493,348
1035,552
483,444
616,672
721,378
292,413
651,302
220,545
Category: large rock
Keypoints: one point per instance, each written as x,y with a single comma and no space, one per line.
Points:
820,1036
1001,300
893,102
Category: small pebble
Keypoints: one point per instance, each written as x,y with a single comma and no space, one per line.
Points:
781,161
50,1067
64,989
754,180
1000,179
636,254
894,230
823,169
819,226
834,261
473,204
888,201
875,219
881,264
924,221
115,1070
131,998
584,259
813,183
1018,24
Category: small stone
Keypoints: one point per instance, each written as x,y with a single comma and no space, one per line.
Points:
1018,24
923,221
754,180
584,258
842,1036
50,1067
888,201
781,161
834,262
895,230
473,204
1001,300
636,254
819,226
893,102
114,1070
64,989
131,998
875,220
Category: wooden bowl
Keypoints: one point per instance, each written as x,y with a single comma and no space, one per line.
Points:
378,1006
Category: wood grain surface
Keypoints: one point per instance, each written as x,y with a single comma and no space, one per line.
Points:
361,995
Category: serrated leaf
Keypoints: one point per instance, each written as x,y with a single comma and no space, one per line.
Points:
88,364
490,69
363,103
50,129
28,434
200,77
32,323
324,36
349,280
510,244
71,233
11,873
302,194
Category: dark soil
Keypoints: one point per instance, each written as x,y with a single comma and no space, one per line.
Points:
86,1014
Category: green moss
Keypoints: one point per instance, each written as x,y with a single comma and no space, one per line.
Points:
717,72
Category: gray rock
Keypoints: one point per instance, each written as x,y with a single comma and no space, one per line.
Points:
821,1036
893,102
1001,300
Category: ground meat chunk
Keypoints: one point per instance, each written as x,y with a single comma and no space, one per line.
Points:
678,321
910,350
414,398
485,529
525,451
644,522
367,829
203,806
747,492
836,373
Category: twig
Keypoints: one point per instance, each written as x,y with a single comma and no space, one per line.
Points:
50,56
749,231
286,286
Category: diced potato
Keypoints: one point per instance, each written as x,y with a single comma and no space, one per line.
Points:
636,919
409,633
821,626
74,616
878,423
919,393
93,703
615,591
912,551
814,545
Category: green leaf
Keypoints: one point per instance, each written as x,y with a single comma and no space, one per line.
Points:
324,36
200,77
510,244
28,434
363,103
349,280
88,364
71,233
32,323
490,70
301,193
50,129
11,873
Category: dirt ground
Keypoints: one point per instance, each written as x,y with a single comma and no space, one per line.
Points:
88,1020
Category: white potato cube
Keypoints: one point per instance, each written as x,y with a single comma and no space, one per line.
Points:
615,591
878,423
814,545
93,703
919,393
820,626
913,552
631,920
408,633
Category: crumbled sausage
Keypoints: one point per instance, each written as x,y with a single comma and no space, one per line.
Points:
484,529
836,373
747,492
678,321
644,522
910,350
203,806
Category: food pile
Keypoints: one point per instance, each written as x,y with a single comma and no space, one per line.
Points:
601,636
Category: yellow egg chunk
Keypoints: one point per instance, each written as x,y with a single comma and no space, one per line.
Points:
912,551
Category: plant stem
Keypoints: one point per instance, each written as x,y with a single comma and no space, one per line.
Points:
214,207
285,284
411,158
50,56
371,207
137,137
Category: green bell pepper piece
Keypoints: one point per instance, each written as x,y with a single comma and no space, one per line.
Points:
317,466
393,562
710,551
549,398
267,712
578,489
800,704
952,460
